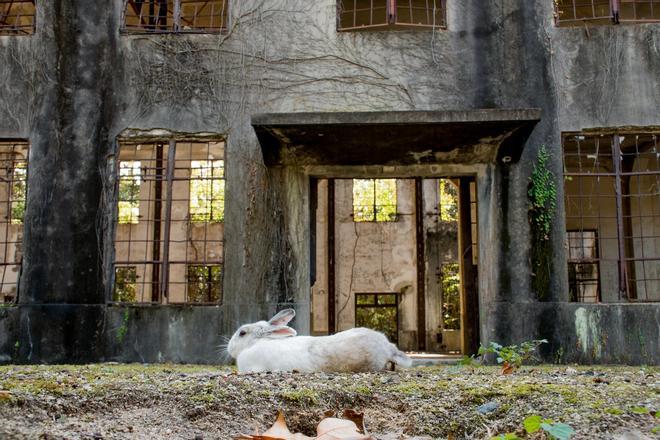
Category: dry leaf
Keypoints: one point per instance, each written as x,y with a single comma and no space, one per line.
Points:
279,431
339,429
356,417
507,368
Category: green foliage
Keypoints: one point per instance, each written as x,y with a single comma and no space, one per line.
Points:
18,193
207,191
125,284
542,195
204,284
123,328
559,431
451,298
374,200
640,410
128,198
378,317
507,436
513,355
448,201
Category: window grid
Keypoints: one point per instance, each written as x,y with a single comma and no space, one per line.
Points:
374,200
378,311
612,189
13,193
572,12
166,242
17,17
378,14
175,16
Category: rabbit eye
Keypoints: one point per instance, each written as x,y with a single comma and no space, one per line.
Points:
242,333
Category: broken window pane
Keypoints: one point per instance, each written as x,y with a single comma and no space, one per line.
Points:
171,16
583,266
207,191
129,192
374,200
17,17
451,299
381,315
125,284
204,284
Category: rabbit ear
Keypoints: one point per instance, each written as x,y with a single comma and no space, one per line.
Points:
281,331
283,317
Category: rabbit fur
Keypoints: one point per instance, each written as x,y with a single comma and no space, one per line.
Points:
273,346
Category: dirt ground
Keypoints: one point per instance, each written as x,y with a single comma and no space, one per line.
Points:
116,401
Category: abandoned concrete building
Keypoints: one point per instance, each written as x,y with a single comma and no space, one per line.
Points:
450,172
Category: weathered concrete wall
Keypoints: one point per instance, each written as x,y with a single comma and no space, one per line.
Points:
77,83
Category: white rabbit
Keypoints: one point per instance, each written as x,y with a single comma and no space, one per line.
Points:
273,346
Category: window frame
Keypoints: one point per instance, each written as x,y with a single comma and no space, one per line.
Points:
391,17
168,183
613,17
13,31
575,262
395,217
12,148
175,27
611,163
377,305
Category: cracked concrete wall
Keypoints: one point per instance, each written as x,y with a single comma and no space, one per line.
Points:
77,83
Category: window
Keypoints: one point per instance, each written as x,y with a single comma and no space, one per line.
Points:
374,200
204,284
381,14
612,199
17,17
129,192
174,16
448,201
13,192
572,12
125,284
207,191
378,311
175,251
583,280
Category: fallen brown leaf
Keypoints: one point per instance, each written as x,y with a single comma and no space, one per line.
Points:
339,429
330,428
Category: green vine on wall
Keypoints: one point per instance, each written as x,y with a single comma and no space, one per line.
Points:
543,198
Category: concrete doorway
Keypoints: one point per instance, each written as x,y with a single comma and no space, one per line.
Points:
397,255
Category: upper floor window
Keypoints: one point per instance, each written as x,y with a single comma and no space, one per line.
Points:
382,14
174,16
17,17
374,200
572,12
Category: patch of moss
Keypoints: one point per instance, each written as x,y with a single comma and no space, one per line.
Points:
301,395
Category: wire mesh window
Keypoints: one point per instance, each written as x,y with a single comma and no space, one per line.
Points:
379,14
612,197
17,17
13,193
583,273
378,311
374,200
172,250
570,12
174,16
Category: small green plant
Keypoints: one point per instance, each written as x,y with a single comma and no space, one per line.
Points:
507,436
542,193
510,357
559,431
123,328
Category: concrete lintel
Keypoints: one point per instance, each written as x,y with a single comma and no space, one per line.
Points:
394,138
